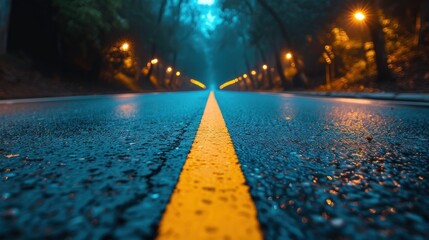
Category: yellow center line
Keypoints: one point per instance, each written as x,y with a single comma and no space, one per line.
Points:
211,199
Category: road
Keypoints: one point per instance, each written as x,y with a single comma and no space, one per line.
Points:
106,166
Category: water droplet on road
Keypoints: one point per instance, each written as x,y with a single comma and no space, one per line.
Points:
337,222
5,196
154,196
11,213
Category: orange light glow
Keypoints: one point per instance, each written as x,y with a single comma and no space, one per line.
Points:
126,110
288,56
178,74
357,101
265,67
360,16
198,83
125,47
154,61
253,73
169,69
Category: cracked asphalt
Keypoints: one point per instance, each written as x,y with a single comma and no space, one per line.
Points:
318,168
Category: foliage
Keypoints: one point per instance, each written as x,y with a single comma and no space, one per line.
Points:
84,24
88,35
305,24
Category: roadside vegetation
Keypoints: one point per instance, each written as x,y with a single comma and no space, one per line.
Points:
56,47
96,45
331,45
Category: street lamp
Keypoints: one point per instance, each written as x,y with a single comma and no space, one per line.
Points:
125,46
154,61
244,75
329,56
169,69
289,56
178,74
265,67
360,16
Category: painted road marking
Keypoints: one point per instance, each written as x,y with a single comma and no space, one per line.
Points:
211,199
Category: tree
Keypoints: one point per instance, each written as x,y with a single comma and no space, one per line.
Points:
377,35
422,18
4,23
160,17
84,26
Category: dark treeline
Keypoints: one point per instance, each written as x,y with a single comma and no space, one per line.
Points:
258,44
87,37
308,43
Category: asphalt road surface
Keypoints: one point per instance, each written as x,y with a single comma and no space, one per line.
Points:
317,168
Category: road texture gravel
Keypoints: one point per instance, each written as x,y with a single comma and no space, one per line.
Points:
323,168
93,168
318,168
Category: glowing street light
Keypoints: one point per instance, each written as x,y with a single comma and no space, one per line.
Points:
244,75
253,72
169,69
154,61
289,56
125,46
178,74
265,67
359,15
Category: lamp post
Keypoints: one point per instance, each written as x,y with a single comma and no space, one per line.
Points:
360,17
168,79
329,56
125,47
290,59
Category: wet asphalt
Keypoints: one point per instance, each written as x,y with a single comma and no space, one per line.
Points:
326,168
92,168
318,168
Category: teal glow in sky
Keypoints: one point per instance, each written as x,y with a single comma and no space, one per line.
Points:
206,2
209,15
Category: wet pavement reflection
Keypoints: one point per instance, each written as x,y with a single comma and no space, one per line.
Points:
325,168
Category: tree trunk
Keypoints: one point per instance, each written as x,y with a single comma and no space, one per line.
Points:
4,24
278,21
301,76
279,68
172,74
421,20
154,45
376,31
264,60
174,30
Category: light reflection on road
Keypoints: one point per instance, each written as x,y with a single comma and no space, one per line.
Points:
332,167
128,110
352,100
